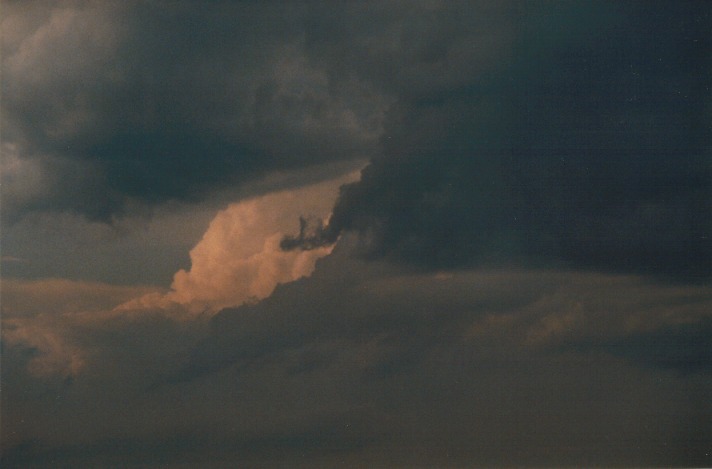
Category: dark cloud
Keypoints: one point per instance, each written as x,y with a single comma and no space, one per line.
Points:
369,364
532,132
527,149
578,135
114,104
460,365
355,301
682,347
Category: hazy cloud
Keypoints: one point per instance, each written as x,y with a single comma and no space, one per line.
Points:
362,362
55,296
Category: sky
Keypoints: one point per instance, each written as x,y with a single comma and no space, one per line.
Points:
356,234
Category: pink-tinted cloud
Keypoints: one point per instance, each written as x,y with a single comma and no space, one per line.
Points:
40,315
239,259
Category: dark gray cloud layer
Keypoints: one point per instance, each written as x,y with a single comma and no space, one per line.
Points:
568,132
118,103
571,133
367,364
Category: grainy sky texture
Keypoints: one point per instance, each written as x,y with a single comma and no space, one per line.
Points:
356,234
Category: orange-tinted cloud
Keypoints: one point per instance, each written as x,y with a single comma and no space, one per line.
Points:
239,259
40,314
54,296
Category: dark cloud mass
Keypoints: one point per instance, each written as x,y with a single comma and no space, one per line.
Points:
521,276
122,102
580,135
548,132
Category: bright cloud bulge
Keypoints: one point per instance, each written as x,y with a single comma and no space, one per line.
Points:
237,261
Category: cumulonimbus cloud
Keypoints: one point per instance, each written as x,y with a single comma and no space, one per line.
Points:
240,260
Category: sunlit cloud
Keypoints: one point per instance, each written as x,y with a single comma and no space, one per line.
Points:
239,259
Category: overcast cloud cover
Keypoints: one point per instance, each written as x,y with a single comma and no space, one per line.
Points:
196,274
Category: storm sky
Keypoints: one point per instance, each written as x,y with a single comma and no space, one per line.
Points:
356,234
